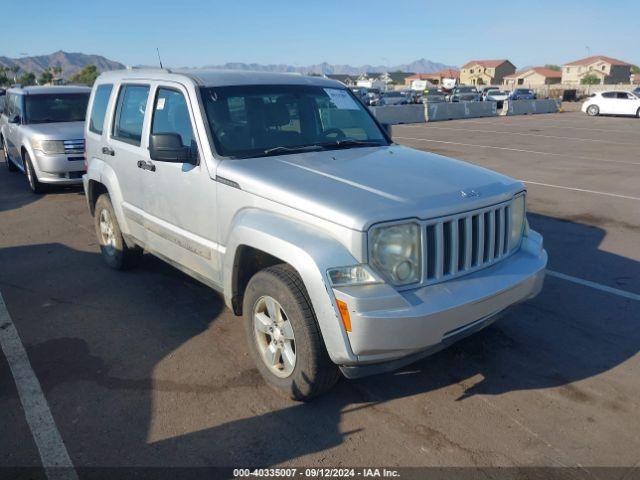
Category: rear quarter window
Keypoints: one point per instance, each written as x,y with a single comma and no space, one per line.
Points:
99,108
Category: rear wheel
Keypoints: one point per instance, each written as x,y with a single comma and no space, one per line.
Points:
113,247
283,335
638,113
32,179
10,165
593,110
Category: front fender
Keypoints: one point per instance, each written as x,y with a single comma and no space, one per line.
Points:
307,249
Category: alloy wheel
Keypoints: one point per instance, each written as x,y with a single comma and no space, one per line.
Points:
107,233
274,336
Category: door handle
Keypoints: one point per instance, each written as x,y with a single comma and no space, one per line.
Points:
108,151
146,166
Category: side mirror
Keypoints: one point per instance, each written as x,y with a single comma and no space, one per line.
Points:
14,119
387,128
167,147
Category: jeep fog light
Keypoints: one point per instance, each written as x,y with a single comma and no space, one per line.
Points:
396,252
49,147
517,222
350,276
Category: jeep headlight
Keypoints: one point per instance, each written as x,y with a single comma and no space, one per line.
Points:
518,219
49,147
396,252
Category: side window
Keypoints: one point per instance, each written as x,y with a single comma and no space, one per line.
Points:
609,94
99,108
129,117
171,115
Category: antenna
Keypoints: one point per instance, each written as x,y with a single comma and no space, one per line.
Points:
159,59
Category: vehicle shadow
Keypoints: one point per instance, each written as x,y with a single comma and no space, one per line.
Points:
97,349
15,193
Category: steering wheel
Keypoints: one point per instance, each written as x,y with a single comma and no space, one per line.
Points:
333,131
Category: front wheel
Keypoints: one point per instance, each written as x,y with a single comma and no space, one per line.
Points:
593,110
115,251
35,185
283,335
10,165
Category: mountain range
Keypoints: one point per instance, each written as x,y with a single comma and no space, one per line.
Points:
69,62
73,62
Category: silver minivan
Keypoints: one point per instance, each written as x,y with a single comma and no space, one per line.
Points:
344,252
41,132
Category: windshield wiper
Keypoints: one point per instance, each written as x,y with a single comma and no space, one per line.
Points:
350,142
303,148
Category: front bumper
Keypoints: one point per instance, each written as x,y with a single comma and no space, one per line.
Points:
59,169
393,326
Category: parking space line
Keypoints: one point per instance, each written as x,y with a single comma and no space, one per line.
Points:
581,139
53,453
597,286
596,192
517,150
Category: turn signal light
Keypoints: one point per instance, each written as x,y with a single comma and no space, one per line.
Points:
344,315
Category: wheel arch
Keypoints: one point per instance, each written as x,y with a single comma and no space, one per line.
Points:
271,238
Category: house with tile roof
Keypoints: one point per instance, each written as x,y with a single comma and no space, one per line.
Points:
608,70
532,77
435,78
485,72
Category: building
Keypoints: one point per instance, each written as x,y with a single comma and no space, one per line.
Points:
485,72
435,78
608,70
348,80
383,80
532,77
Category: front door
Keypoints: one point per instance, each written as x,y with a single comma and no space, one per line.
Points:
180,198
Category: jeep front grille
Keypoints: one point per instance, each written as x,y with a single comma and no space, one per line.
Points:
459,244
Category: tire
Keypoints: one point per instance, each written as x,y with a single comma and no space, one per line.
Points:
113,247
10,165
593,110
313,372
32,179
638,113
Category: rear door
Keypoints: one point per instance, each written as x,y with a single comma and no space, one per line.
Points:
180,198
127,153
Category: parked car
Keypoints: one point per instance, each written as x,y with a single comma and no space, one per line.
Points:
522,94
636,91
373,96
393,98
42,134
484,90
464,94
433,96
343,251
612,103
496,95
362,93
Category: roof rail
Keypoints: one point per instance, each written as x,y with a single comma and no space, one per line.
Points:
142,67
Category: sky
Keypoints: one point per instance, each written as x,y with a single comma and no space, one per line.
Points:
195,33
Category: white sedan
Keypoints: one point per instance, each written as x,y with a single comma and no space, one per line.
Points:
612,103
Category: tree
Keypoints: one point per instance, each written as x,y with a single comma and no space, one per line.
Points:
635,69
4,80
26,79
551,66
86,76
45,77
15,69
590,79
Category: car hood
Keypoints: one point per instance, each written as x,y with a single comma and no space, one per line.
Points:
55,130
362,186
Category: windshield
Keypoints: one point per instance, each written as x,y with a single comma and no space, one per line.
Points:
56,107
392,94
467,90
257,120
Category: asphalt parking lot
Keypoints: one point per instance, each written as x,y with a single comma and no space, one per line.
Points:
148,368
